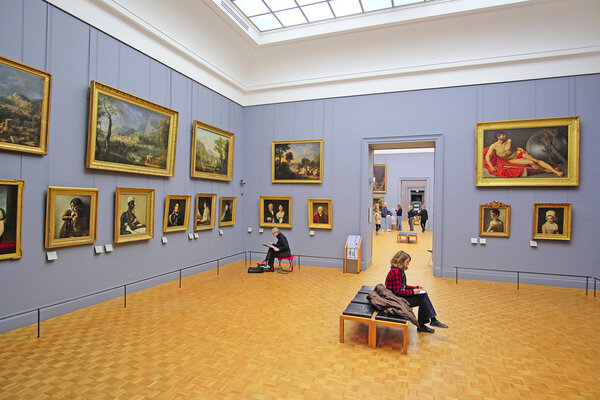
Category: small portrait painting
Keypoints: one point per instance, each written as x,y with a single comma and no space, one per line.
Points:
552,221
275,211
380,174
134,219
205,211
70,216
494,219
11,208
177,216
227,211
319,213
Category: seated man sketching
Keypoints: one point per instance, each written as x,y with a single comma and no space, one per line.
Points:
280,249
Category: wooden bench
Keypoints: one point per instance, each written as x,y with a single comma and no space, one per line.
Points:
361,310
408,235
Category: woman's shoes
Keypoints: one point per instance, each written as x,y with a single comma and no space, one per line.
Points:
260,264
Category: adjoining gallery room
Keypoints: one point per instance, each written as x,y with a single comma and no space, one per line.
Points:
299,199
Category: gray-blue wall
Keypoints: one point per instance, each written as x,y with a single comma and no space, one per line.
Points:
44,37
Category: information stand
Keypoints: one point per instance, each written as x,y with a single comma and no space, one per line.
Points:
353,254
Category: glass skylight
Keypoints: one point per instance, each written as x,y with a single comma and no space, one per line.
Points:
275,14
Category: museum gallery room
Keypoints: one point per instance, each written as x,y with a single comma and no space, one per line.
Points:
299,199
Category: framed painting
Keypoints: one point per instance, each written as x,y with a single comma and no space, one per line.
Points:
11,217
297,161
379,201
227,211
205,211
552,221
71,215
24,107
319,214
532,152
130,134
380,174
494,219
212,152
177,213
275,211
134,214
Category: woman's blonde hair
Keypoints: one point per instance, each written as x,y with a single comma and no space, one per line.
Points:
399,258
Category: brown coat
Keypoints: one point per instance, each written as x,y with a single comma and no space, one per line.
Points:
385,300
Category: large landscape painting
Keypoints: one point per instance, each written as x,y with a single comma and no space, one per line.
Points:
130,134
212,152
24,107
299,161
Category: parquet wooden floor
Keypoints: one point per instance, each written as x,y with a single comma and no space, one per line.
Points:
275,336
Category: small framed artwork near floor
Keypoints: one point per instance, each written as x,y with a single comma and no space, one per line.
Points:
494,219
320,214
134,214
275,211
227,206
177,213
71,215
11,216
552,221
205,211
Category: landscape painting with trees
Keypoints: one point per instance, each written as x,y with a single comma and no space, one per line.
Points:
299,161
130,134
24,107
212,152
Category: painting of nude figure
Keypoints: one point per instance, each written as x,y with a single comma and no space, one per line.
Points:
536,152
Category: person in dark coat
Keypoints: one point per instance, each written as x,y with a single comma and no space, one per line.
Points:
424,217
411,215
280,249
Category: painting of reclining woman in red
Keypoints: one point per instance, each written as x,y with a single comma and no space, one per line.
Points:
543,152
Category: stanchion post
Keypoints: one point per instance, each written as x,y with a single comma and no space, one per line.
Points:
124,296
456,278
179,279
518,279
38,315
586,285
217,267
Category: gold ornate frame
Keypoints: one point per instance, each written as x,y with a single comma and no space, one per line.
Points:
213,135
313,205
485,219
16,206
564,220
232,206
198,226
280,149
67,217
187,201
146,217
263,206
46,88
150,165
549,130
384,190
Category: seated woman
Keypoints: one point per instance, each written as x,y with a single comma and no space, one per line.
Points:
415,295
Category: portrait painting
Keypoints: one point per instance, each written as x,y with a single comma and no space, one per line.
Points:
71,215
11,216
134,214
130,134
275,211
380,174
24,107
319,214
212,152
177,213
552,221
227,208
205,211
533,152
378,201
494,219
297,161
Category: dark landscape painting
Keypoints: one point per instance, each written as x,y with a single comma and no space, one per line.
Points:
297,161
23,111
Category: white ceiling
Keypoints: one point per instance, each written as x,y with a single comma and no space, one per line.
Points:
434,44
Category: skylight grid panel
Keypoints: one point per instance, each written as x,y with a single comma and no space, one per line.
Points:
342,8
406,2
251,7
266,22
372,5
278,5
317,12
307,2
291,17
